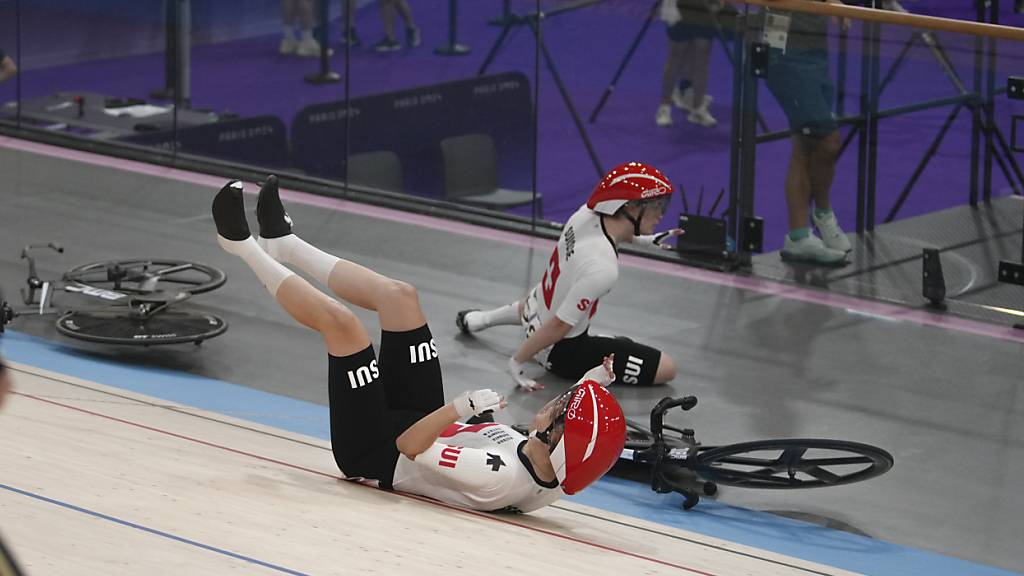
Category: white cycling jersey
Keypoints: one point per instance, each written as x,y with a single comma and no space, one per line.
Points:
583,267
478,466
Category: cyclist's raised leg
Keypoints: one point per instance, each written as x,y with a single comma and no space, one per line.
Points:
408,353
361,438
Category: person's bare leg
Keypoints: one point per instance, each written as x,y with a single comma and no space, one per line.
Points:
306,14
288,12
403,9
699,60
387,16
675,69
822,169
342,331
396,303
666,369
798,185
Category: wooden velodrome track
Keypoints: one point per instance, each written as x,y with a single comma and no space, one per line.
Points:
98,480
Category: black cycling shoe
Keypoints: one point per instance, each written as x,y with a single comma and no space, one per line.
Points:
229,212
460,321
270,213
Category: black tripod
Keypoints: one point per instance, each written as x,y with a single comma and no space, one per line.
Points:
533,21
964,99
719,32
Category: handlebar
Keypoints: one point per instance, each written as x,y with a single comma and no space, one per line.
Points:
33,281
666,404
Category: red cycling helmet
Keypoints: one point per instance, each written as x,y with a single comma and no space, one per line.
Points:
629,182
593,436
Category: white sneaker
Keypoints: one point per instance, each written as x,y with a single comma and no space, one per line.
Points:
702,117
310,48
664,116
811,249
287,46
684,99
831,233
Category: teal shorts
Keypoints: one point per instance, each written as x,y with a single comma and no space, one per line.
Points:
800,82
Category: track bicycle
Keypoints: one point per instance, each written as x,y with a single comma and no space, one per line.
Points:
140,300
682,464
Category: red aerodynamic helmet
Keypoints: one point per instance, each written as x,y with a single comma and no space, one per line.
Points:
632,181
592,439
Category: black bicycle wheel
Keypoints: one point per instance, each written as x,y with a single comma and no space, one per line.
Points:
146,276
792,463
115,326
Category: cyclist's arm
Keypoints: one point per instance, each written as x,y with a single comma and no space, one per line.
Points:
549,332
420,436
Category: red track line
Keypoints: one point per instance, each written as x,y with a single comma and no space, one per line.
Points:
412,496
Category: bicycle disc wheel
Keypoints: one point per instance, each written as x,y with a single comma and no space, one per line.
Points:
792,463
117,327
146,276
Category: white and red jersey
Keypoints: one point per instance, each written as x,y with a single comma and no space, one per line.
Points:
583,267
478,466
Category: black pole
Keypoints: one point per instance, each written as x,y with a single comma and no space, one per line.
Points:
534,24
841,72
170,52
325,75
872,180
923,163
625,61
975,121
862,138
990,102
453,48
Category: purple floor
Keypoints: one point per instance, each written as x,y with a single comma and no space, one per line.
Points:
248,77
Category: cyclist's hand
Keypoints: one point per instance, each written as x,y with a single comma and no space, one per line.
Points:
603,374
659,240
477,402
518,373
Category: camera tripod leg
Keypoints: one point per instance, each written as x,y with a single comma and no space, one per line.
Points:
625,61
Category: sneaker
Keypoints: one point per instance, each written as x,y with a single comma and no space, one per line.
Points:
412,37
287,46
386,45
831,233
229,212
684,99
274,221
351,39
310,48
664,116
460,321
702,117
811,249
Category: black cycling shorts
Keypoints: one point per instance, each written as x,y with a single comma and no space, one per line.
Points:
635,363
373,400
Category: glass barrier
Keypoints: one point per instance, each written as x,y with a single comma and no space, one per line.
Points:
898,136
515,108
9,60
441,102
85,68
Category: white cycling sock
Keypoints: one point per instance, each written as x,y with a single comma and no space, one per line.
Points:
501,316
293,250
270,273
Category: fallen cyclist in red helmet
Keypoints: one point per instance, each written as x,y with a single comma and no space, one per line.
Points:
390,424
624,207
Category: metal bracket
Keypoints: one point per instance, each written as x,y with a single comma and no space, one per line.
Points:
752,234
1011,273
759,59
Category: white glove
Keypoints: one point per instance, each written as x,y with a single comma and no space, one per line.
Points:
476,402
518,372
659,240
603,374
